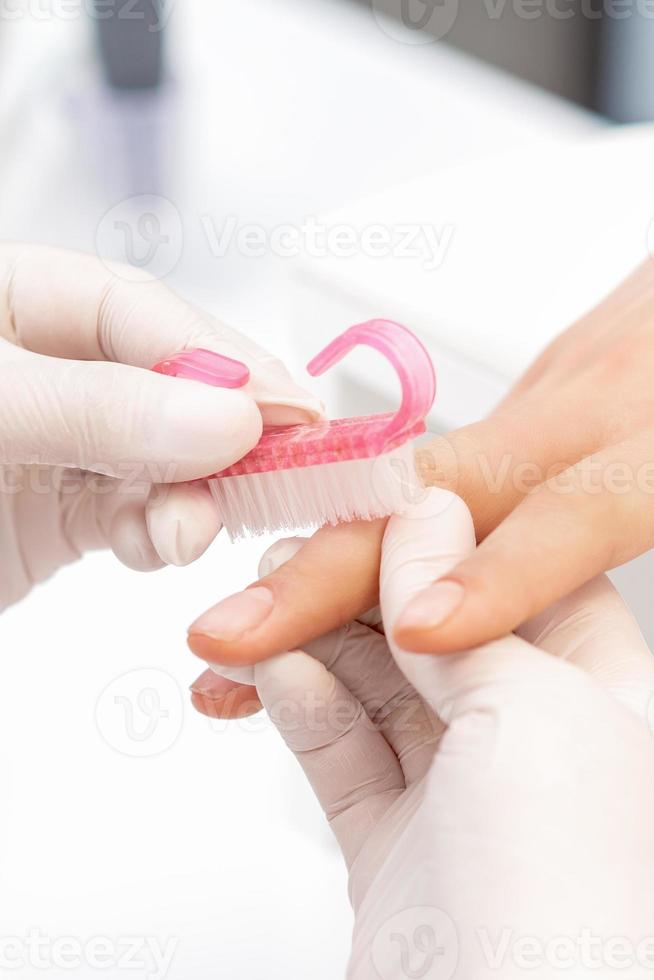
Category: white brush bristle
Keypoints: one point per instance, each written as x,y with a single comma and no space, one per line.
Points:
310,496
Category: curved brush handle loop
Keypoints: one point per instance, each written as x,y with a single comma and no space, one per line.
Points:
409,358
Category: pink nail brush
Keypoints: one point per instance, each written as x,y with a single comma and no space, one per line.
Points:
319,473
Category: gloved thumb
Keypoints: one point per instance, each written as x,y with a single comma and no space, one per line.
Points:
417,549
119,420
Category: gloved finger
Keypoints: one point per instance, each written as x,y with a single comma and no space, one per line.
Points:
182,521
86,309
176,523
351,767
119,420
595,630
418,549
73,511
359,657
565,533
79,512
89,511
130,541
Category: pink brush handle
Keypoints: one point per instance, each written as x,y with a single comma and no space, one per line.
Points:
410,360
402,348
206,366
287,447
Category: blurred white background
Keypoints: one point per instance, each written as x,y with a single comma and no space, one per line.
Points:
122,814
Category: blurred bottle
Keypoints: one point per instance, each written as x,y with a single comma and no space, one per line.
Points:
131,37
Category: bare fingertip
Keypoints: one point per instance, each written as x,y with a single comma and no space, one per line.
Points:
231,708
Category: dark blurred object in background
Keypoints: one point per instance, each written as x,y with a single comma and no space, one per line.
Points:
599,53
131,42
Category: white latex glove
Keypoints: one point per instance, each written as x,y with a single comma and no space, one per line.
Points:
76,398
495,807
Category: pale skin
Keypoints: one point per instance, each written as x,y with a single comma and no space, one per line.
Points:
560,483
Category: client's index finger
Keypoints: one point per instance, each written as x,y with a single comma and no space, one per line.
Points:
333,579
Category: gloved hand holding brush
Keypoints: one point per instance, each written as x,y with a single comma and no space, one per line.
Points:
94,448
494,806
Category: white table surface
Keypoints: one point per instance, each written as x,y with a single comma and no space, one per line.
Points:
273,111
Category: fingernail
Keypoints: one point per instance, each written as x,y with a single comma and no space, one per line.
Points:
289,415
217,697
212,686
432,607
236,615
